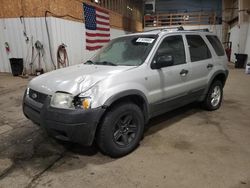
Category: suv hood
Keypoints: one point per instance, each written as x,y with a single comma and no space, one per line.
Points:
74,79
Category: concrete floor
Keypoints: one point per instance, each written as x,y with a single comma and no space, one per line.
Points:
188,147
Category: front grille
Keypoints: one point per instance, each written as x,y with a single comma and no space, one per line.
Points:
37,96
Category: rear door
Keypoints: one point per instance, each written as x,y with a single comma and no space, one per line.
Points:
201,62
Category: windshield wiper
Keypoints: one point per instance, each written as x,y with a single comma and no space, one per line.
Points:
106,63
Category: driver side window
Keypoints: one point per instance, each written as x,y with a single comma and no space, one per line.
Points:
173,46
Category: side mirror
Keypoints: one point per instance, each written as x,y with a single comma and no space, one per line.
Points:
162,61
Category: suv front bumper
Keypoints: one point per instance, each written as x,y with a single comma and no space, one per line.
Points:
75,125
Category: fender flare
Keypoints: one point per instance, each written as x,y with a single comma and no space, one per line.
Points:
127,93
225,72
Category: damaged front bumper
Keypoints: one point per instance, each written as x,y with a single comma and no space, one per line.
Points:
75,125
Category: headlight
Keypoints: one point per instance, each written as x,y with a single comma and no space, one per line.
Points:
62,100
82,102
67,101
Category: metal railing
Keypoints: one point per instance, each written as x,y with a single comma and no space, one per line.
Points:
173,19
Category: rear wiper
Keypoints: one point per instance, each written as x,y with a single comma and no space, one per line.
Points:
106,63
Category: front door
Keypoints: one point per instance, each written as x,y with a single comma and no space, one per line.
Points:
171,83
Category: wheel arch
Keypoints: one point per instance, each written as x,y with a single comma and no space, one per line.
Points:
221,76
134,96
218,75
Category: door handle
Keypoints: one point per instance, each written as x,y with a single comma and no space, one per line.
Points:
209,66
184,72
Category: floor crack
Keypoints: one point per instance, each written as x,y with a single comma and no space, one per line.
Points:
7,171
36,177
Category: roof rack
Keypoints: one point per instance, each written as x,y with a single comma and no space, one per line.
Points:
179,28
204,30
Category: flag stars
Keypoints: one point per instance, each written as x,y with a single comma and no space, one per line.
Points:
90,17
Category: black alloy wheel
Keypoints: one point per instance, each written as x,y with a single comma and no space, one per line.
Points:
126,129
121,129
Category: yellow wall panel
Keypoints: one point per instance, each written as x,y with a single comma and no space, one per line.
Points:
37,8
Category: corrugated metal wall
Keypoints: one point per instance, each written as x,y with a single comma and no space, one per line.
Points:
61,31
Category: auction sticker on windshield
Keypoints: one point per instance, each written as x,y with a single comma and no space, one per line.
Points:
145,40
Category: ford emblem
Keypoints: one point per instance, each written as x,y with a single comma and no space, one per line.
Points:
34,96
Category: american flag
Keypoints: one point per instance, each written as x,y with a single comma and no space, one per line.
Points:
97,27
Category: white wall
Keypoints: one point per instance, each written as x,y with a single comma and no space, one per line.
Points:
217,29
240,38
234,38
68,32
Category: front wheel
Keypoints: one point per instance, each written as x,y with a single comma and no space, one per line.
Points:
214,96
121,130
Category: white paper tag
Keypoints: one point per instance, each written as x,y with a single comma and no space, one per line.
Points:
145,40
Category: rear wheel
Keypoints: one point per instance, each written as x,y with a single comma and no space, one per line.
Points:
121,130
214,96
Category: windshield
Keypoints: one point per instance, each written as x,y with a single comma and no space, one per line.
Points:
125,51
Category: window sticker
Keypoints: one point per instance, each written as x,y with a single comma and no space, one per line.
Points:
145,40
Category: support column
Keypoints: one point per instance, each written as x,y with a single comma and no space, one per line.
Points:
226,15
244,7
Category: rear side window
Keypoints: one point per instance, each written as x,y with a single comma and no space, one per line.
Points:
198,48
215,42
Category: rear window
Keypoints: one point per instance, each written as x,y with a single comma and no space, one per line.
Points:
215,42
198,48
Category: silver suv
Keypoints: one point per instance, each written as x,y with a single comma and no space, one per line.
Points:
110,98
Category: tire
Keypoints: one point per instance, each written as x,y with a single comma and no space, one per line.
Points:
121,130
214,96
